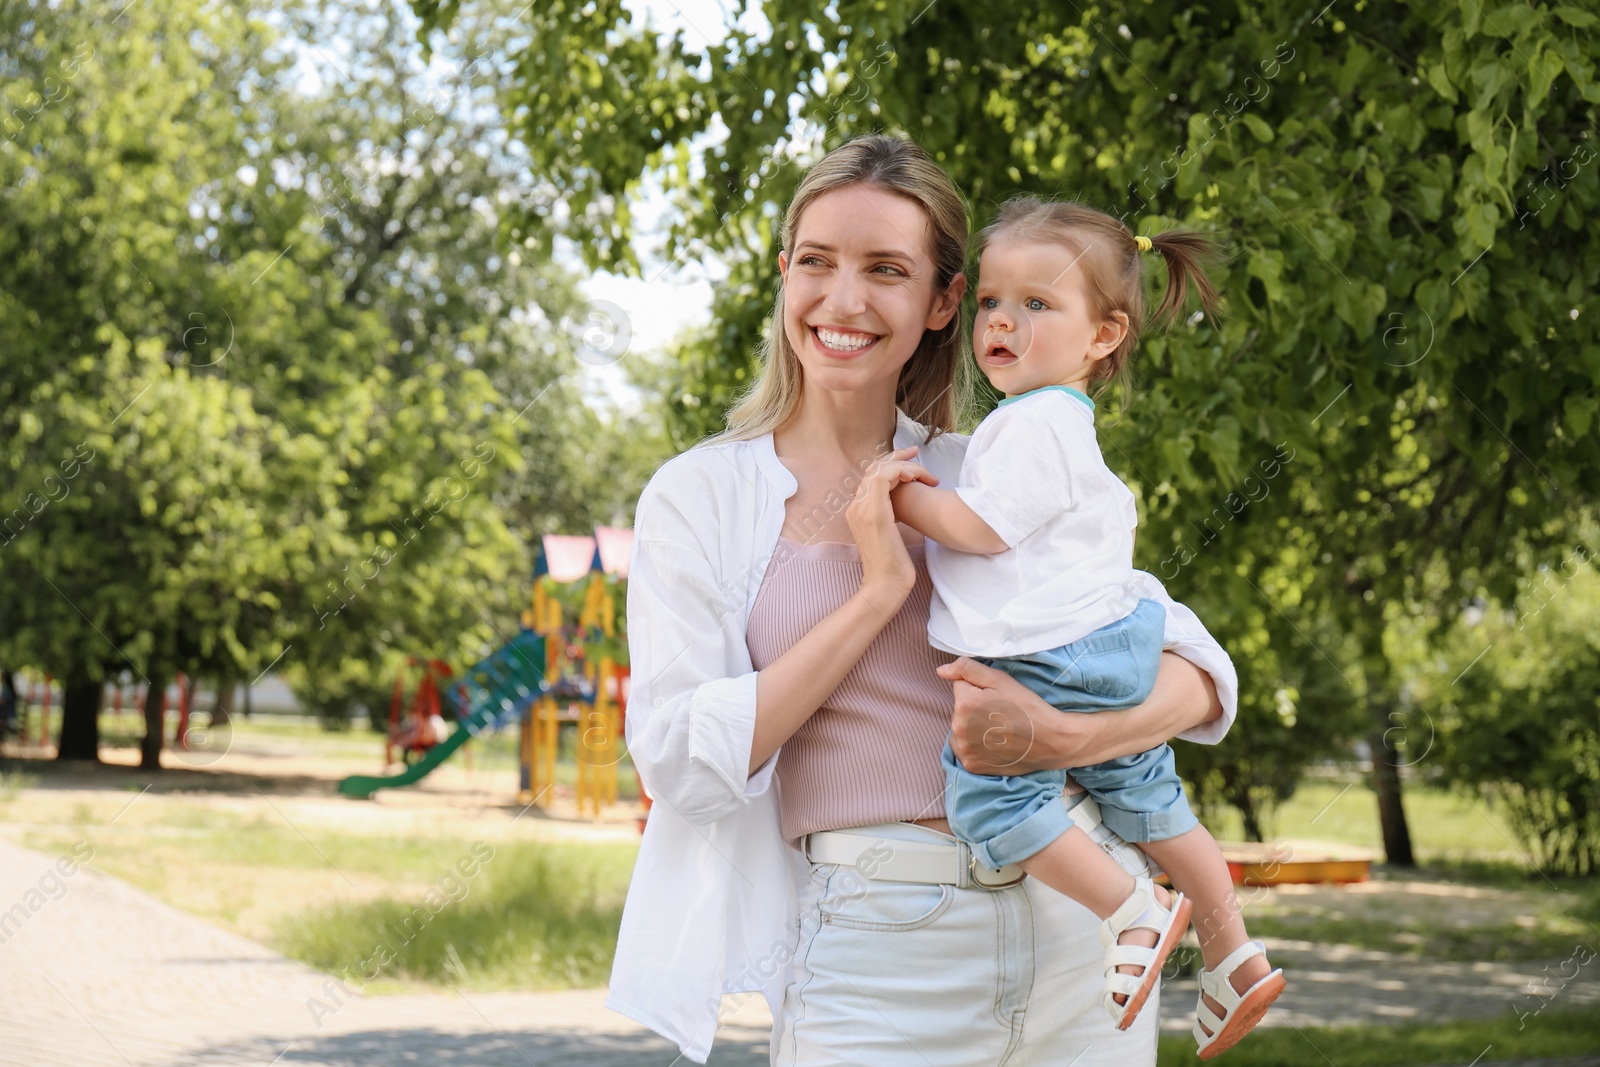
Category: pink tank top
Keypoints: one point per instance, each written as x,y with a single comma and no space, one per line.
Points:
871,752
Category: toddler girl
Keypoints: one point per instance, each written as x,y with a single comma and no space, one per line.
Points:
1031,558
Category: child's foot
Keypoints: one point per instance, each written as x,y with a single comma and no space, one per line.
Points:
1234,997
1139,937
1142,937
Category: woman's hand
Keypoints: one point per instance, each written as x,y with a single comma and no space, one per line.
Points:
1000,726
887,573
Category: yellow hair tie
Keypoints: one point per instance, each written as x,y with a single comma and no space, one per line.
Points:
1144,243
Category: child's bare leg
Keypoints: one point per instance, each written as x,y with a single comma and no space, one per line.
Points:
1195,864
1076,867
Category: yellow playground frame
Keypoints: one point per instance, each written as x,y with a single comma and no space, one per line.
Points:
593,650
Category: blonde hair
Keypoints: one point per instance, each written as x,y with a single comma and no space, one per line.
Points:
935,382
1112,268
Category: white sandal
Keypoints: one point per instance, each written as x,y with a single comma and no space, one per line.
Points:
1240,1011
1140,911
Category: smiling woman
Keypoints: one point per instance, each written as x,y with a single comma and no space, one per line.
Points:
884,239
847,297
777,623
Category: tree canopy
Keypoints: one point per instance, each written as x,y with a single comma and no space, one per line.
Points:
278,390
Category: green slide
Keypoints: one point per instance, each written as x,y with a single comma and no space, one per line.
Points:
498,690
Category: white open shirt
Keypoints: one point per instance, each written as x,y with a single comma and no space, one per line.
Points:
1033,471
713,905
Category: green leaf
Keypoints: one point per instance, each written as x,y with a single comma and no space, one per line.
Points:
1441,82
1543,69
1259,127
1481,219
1267,265
1580,414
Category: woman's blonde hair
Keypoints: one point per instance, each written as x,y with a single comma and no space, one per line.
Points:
1113,271
935,382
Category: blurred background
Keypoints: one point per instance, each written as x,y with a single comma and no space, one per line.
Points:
338,338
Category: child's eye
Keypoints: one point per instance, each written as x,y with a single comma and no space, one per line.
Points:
987,303
1036,304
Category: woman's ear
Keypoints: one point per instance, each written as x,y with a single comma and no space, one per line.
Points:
945,305
783,263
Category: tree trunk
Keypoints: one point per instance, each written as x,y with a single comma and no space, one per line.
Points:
80,721
1252,821
222,704
1383,727
154,726
1386,783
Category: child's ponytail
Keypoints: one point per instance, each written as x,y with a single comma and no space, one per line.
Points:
1185,252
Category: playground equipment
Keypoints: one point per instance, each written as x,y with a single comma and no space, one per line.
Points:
418,729
592,686
550,673
1284,863
491,693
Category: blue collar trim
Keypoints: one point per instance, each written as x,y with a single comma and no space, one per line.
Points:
1043,388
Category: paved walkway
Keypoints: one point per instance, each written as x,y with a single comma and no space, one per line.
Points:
94,972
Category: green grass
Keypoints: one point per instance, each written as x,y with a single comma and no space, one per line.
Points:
14,782
1445,825
1551,1033
531,917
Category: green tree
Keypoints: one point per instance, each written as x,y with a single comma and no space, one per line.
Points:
272,417
1404,190
1512,697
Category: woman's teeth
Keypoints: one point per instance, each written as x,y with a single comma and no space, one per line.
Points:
844,342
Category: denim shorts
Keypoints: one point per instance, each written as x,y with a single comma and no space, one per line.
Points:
1007,818
902,974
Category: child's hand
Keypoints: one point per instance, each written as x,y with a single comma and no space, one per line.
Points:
897,470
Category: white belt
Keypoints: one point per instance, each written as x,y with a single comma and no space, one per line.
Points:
884,859
952,862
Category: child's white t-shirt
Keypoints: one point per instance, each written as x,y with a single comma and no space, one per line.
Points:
1033,471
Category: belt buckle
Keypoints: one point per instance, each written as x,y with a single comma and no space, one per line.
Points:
972,878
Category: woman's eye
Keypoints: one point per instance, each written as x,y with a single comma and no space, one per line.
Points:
1036,304
892,270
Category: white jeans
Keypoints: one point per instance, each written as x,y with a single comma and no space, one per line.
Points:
898,973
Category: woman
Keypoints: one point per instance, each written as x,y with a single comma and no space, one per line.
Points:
787,714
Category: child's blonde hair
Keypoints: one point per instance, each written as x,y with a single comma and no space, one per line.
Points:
1109,255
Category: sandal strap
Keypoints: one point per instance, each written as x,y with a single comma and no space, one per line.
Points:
1237,956
1216,981
1129,956
1140,911
1126,984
